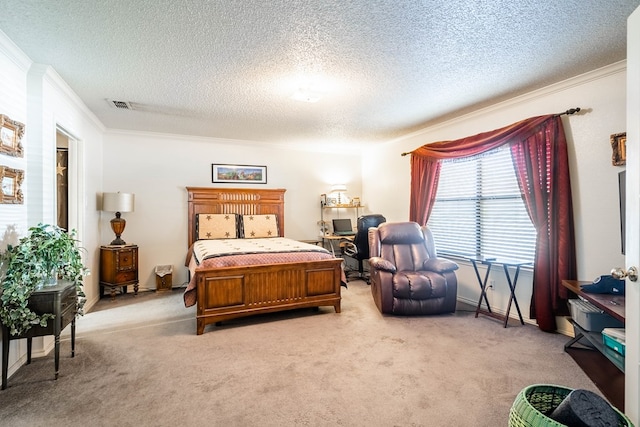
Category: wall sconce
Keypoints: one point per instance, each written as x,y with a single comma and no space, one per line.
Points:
118,203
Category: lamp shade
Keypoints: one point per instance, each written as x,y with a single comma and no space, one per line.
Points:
118,202
338,188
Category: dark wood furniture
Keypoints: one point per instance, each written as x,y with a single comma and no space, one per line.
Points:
60,300
506,264
118,268
232,292
613,305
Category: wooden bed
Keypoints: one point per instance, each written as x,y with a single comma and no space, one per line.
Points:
225,293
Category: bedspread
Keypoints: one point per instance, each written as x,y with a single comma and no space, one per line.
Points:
207,254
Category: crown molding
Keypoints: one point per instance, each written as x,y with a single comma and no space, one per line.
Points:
48,73
597,74
9,49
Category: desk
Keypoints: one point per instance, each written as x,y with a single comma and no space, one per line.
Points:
489,262
312,241
332,238
62,301
613,305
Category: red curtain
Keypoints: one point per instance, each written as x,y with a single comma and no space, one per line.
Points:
425,165
539,153
425,173
542,168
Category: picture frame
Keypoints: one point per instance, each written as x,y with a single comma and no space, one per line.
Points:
238,174
11,182
619,147
11,133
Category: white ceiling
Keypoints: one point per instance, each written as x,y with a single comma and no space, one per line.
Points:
227,68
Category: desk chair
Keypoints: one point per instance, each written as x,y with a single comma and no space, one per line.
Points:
358,249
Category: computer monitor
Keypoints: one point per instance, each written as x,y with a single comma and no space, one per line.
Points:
342,226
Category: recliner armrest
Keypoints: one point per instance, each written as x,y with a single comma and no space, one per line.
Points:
439,265
382,264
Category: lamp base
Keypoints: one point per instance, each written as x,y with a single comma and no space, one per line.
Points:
118,242
117,225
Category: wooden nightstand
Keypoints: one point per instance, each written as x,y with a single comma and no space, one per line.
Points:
118,267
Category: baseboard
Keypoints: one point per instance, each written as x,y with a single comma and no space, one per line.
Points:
563,326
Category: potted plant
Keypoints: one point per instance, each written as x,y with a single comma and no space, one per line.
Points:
47,254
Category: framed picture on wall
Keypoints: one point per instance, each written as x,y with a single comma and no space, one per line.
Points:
11,133
619,147
239,174
11,181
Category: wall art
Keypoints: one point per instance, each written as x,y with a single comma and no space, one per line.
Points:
239,174
11,181
11,133
619,147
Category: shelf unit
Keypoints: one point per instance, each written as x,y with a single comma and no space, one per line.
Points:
595,339
324,207
614,305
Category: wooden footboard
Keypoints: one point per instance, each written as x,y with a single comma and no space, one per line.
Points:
232,292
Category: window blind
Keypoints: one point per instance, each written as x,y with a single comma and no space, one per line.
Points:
479,211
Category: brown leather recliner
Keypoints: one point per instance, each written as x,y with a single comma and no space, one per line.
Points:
407,277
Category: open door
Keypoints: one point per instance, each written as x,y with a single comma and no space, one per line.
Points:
632,241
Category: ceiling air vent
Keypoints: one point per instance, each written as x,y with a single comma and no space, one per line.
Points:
121,105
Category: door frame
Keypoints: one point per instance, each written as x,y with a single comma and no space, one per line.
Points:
76,196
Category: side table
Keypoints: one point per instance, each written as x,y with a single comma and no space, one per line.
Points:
489,262
60,300
118,268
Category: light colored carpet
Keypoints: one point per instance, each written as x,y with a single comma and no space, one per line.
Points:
139,362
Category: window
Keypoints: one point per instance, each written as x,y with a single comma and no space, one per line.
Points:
479,211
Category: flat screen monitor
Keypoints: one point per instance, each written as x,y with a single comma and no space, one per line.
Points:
342,226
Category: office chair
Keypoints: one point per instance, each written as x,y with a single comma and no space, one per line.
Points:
358,249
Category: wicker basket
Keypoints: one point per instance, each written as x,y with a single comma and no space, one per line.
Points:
535,402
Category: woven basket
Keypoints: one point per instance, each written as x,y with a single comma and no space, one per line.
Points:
535,402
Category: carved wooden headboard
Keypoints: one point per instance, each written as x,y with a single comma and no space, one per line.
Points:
242,201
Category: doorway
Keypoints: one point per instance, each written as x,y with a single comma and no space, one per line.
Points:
69,185
62,181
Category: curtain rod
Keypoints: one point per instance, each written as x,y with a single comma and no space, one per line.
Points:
569,112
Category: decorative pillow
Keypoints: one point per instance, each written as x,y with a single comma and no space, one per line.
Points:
216,226
258,226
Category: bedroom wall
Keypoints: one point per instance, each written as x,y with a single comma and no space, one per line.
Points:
601,95
158,167
54,107
36,96
13,103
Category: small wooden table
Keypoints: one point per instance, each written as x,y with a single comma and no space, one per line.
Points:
511,282
614,305
60,300
118,268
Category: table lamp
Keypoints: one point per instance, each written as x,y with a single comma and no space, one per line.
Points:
340,189
118,203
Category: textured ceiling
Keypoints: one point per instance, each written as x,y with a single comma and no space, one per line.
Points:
385,68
